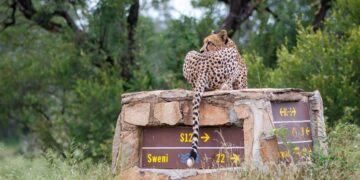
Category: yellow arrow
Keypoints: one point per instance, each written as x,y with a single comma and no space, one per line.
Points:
307,131
294,132
234,158
282,112
205,137
293,111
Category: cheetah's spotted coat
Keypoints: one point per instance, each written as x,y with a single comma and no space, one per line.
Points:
221,68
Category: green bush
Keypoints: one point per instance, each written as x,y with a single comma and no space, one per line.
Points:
55,94
326,60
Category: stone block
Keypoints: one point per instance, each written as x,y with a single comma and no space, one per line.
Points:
244,112
176,94
134,174
186,109
268,125
269,149
128,155
154,176
131,173
167,113
116,143
140,97
211,115
214,176
137,114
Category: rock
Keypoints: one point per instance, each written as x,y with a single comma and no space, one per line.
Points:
135,173
116,144
154,176
268,126
137,114
128,152
132,173
176,94
289,96
186,109
214,176
244,112
167,113
234,120
269,149
138,97
211,115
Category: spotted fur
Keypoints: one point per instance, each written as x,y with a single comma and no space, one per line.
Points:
218,66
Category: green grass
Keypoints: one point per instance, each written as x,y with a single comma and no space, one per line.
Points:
343,162
48,166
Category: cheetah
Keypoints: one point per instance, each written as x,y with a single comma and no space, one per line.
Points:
218,41
217,66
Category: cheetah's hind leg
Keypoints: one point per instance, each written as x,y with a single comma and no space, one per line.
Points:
237,85
240,83
226,86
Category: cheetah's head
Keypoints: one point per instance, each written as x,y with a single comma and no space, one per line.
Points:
217,41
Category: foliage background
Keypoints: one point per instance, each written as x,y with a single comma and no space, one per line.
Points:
60,90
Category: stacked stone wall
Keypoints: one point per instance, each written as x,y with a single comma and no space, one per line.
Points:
250,109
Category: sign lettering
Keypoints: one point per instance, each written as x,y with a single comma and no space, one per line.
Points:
158,159
186,137
220,158
169,148
295,118
290,111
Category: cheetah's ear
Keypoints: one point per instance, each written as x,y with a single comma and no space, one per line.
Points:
223,35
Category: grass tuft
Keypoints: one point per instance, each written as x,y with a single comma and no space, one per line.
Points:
343,162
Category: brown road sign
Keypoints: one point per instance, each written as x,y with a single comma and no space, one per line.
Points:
298,150
176,158
169,148
287,111
295,118
296,131
182,136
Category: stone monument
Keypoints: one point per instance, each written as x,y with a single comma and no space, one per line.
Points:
153,131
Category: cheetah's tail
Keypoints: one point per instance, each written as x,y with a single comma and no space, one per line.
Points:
195,117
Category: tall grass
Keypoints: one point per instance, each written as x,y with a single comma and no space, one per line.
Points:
342,162
48,166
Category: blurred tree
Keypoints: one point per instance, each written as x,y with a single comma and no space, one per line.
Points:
59,75
58,16
266,25
239,11
132,19
323,8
